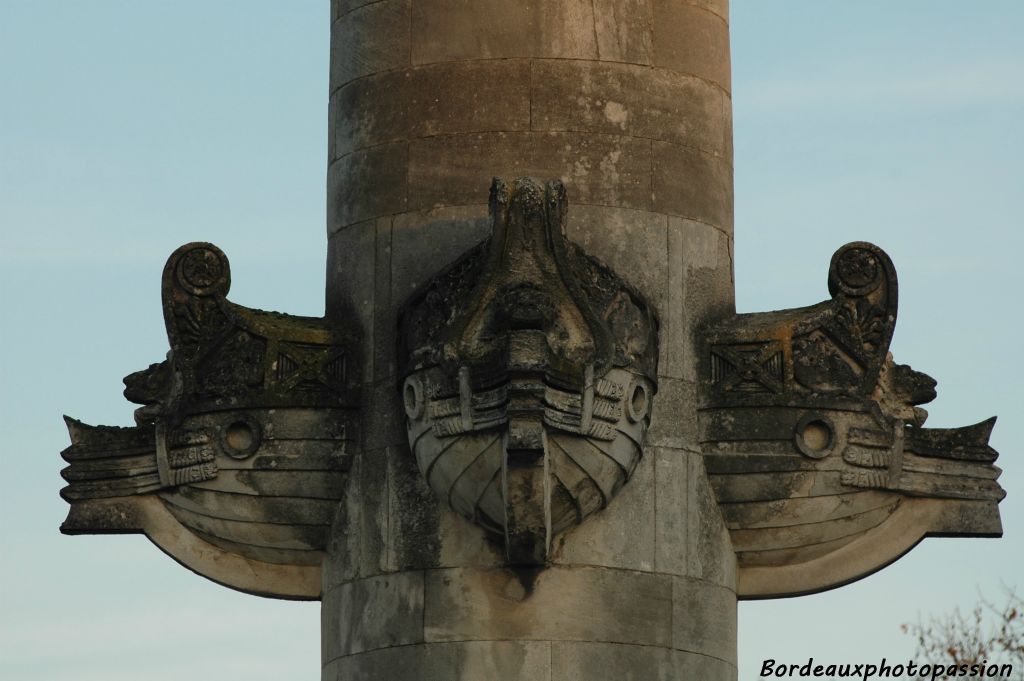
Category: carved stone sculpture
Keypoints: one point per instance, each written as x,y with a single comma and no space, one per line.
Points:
529,373
238,458
524,444
814,441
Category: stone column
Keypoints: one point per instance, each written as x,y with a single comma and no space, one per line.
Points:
628,103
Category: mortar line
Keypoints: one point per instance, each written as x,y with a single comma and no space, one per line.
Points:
332,90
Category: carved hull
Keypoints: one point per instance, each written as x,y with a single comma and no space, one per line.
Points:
225,496
813,440
529,372
583,464
783,507
239,458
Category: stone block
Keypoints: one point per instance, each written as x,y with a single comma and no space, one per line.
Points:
620,536
631,242
672,471
350,280
372,613
692,539
696,666
465,544
504,660
342,7
455,30
719,7
628,99
586,661
709,552
371,38
674,415
690,39
700,291
464,661
407,663
470,97
382,346
604,170
704,618
371,111
384,420
693,184
559,603
414,526
359,289
358,538
427,241
383,168
623,30
432,100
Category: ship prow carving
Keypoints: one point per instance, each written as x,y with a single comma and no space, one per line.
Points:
241,447
814,440
528,369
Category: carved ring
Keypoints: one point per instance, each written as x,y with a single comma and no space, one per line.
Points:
240,436
815,435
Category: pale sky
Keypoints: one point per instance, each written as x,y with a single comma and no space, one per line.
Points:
128,128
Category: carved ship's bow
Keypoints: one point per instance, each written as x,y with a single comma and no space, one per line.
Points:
238,459
814,440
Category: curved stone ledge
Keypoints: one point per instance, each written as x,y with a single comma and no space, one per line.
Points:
509,95
597,169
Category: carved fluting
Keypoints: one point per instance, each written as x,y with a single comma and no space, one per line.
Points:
243,441
529,370
814,440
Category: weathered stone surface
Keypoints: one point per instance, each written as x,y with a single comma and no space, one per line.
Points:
632,242
255,452
243,442
700,284
709,552
672,503
414,538
703,47
438,99
623,30
352,274
528,376
383,397
384,167
672,423
372,613
340,7
404,663
802,406
558,604
609,170
452,30
360,526
428,238
371,38
628,99
463,661
675,193
360,276
504,660
704,618
623,535
579,661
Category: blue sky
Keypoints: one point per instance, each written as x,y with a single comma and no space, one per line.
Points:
129,128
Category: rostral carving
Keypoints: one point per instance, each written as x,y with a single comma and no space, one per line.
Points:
814,438
247,425
528,374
